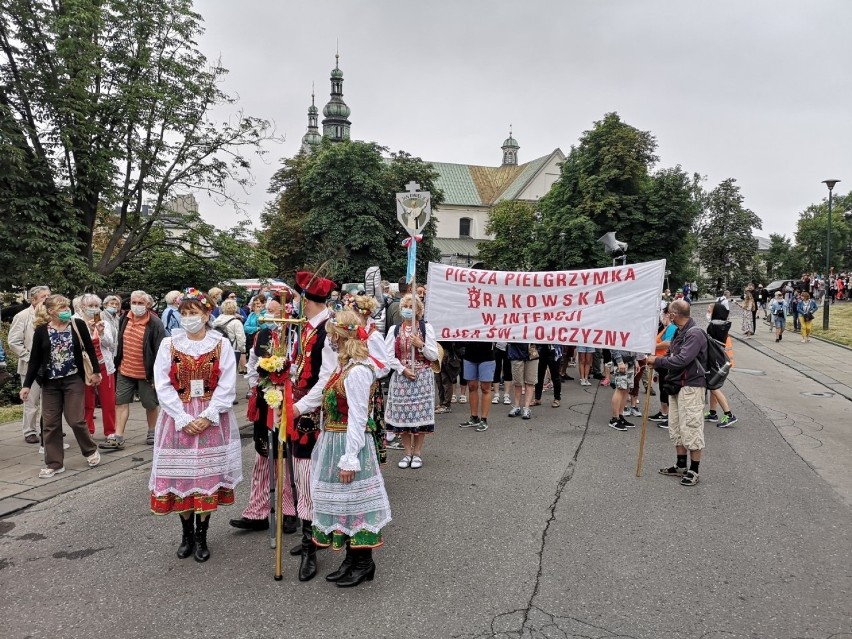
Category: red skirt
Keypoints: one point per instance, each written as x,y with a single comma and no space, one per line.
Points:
195,503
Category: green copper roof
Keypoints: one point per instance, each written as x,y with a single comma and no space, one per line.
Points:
518,184
511,142
457,184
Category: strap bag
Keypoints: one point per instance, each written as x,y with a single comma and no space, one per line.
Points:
533,352
88,369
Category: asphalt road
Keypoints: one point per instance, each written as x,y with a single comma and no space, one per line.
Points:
533,529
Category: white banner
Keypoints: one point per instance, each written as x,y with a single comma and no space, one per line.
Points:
616,307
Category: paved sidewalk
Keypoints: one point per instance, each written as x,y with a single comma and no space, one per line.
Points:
824,362
20,486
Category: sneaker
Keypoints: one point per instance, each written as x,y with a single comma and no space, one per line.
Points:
442,409
727,421
47,473
516,410
615,423
482,426
663,424
507,400
453,399
711,417
405,462
472,421
627,424
149,438
495,399
526,413
416,462
463,399
626,411
113,442
659,417
634,410
585,382
394,445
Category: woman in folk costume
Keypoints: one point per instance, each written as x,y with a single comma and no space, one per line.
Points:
350,502
197,461
411,392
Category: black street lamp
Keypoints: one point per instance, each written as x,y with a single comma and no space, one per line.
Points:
830,184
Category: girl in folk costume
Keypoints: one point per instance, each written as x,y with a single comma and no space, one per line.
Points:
350,502
411,392
197,461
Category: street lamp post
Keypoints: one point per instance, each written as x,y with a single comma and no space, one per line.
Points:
830,184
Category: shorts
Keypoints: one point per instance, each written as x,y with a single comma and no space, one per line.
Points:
585,349
524,372
779,322
686,418
480,371
622,381
127,387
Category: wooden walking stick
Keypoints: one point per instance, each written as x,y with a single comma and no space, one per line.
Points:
645,412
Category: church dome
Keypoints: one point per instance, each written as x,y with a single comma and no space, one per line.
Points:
336,109
511,142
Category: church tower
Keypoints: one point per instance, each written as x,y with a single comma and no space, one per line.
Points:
312,138
336,124
510,150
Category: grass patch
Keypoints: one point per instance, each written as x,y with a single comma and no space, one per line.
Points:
11,413
840,321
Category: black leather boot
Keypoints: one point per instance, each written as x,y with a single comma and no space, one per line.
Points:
362,568
201,525
344,567
308,565
296,550
187,542
291,524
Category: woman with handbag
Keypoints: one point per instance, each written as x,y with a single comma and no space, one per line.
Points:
63,361
807,308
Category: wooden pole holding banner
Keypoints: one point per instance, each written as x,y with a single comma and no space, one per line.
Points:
413,210
646,409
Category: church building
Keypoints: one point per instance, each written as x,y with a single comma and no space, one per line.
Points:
470,191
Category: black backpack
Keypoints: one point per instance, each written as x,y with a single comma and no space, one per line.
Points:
718,364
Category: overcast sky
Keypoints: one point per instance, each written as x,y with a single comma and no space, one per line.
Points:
755,90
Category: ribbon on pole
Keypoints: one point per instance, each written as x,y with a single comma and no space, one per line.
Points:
411,244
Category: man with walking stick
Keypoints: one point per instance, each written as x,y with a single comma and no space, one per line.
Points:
685,384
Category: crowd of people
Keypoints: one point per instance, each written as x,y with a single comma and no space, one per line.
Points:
364,374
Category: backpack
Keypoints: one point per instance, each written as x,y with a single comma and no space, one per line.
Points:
718,364
224,331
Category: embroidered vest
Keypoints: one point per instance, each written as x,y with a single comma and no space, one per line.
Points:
335,404
186,368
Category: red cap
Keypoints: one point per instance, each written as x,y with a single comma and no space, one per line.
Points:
316,289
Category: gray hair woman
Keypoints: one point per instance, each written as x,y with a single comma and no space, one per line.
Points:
103,336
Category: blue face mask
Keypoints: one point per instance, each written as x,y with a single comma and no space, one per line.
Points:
270,325
406,313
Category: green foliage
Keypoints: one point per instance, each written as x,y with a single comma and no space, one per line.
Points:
339,204
812,234
726,245
782,260
106,104
200,256
513,225
9,392
606,184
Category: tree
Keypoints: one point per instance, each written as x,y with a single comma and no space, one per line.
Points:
726,242
606,184
339,203
513,225
812,234
782,259
106,104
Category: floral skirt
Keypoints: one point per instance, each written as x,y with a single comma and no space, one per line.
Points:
411,403
187,468
358,510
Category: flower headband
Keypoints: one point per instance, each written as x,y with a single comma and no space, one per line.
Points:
360,333
193,294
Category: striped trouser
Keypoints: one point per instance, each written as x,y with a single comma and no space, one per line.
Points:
258,506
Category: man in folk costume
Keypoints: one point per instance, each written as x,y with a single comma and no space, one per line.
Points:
256,514
312,366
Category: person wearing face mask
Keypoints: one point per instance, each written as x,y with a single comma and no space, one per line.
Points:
56,360
197,454
410,407
21,343
139,335
103,338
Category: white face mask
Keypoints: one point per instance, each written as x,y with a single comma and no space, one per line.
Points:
91,312
192,324
138,309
